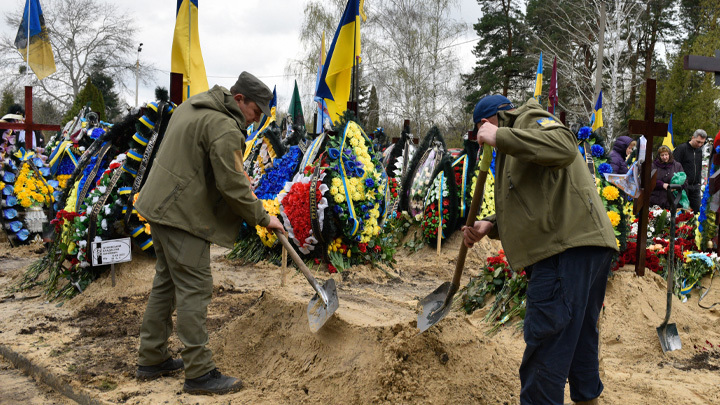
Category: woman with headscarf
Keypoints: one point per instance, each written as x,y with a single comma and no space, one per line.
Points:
619,153
666,167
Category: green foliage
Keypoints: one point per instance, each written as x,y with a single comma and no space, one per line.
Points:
690,95
89,94
502,51
8,99
105,84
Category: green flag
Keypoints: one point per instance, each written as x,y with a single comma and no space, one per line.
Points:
295,111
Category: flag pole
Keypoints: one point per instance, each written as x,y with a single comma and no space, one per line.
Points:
27,42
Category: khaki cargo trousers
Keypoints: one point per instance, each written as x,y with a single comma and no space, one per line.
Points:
182,277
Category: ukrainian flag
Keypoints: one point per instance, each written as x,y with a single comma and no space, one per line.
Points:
668,140
596,120
273,104
186,55
38,55
336,76
538,80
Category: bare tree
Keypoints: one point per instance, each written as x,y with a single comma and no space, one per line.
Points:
82,32
412,61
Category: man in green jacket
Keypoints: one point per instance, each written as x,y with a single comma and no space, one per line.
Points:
196,194
551,221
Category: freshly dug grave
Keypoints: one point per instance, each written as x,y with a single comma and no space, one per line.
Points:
369,352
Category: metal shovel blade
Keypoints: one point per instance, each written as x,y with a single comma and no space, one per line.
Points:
432,307
318,313
669,337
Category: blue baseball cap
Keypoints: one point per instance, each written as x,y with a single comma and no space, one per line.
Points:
490,105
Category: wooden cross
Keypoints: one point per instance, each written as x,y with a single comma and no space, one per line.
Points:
651,130
28,126
704,63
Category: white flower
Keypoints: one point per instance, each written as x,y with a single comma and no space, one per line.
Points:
83,218
97,239
108,210
102,189
84,264
103,224
82,244
95,199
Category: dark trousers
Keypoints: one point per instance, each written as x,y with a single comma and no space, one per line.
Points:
564,297
694,197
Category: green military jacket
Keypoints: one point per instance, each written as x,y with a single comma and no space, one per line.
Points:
546,200
197,182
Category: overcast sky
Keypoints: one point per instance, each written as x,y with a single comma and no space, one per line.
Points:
236,35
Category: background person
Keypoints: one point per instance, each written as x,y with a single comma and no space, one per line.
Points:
620,151
690,156
666,168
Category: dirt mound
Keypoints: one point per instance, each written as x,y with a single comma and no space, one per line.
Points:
369,352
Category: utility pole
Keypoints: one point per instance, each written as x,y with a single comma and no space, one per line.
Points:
137,73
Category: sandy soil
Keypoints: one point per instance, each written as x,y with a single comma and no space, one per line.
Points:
369,352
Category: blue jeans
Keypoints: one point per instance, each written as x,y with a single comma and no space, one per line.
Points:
564,297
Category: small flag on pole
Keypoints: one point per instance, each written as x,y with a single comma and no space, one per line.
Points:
668,140
295,110
336,75
538,79
186,55
553,92
596,121
33,42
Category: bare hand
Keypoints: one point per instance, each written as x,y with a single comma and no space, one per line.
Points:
487,133
275,225
472,234
665,186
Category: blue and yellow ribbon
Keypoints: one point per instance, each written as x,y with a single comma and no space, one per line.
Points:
146,244
140,139
23,155
137,231
134,155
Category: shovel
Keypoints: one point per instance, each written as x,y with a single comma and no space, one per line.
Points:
437,305
325,302
667,332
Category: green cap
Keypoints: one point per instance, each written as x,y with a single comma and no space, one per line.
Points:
252,88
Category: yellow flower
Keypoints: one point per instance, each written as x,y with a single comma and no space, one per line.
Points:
614,218
610,193
339,198
336,182
357,196
25,202
617,241
334,190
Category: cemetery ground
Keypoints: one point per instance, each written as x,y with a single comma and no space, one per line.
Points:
369,352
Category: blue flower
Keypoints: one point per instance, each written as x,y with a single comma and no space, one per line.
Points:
597,150
717,149
369,182
333,153
604,168
584,133
359,172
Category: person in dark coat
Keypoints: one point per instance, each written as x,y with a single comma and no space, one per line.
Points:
618,154
690,156
666,167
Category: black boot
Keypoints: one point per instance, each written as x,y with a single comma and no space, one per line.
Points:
167,367
212,383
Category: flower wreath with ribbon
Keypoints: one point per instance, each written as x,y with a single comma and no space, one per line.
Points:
441,203
295,207
358,184
419,174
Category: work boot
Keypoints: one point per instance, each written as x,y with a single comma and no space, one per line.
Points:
167,367
212,383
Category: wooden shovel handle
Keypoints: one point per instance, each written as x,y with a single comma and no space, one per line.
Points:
301,265
474,209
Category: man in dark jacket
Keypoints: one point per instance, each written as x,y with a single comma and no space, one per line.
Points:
690,156
551,221
618,154
197,193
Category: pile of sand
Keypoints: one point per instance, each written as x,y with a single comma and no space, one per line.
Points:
369,352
